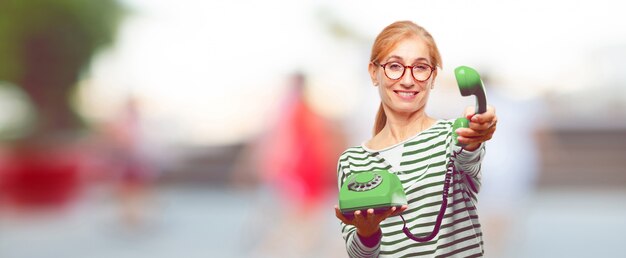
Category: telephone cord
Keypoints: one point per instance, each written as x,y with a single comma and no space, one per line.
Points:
450,168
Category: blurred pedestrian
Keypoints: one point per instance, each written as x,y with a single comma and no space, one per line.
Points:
294,160
133,172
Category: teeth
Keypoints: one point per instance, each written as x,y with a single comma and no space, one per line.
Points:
407,94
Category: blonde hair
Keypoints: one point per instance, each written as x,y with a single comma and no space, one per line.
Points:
387,40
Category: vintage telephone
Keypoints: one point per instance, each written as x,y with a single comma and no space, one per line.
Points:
380,190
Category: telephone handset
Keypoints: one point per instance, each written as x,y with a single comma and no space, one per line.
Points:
469,84
382,190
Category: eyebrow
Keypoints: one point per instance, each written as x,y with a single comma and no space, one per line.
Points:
398,57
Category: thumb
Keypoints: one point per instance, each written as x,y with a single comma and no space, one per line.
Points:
340,216
469,112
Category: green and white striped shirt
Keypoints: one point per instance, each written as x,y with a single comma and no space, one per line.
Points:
422,170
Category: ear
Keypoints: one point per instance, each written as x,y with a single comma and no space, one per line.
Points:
372,69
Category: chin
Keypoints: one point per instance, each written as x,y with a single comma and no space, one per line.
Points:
405,108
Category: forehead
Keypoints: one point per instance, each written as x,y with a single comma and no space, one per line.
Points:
409,50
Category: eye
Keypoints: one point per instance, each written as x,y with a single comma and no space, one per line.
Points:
395,67
421,67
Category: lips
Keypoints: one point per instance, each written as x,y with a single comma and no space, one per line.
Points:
406,94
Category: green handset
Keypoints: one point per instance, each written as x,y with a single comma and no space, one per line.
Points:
381,190
469,84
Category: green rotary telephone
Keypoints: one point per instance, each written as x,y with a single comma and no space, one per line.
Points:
378,190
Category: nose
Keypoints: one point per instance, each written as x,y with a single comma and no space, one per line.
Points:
407,80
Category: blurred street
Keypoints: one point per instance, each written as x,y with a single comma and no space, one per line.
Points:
183,222
219,222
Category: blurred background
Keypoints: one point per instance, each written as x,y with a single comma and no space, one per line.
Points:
136,128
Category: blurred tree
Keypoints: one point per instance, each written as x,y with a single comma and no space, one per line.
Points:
45,46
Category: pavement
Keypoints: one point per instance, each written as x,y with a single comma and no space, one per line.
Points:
222,222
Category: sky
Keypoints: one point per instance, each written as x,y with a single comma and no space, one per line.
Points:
213,72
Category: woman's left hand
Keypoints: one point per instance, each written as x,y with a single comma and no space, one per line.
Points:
481,128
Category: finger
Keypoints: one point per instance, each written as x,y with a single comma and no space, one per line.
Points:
389,212
380,217
482,126
469,112
476,129
341,217
485,136
464,140
370,216
469,133
400,210
358,217
489,115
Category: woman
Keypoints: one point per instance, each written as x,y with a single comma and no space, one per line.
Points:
416,147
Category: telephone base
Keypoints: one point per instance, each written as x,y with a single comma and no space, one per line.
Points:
349,214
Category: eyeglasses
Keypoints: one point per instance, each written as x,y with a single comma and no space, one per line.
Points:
395,71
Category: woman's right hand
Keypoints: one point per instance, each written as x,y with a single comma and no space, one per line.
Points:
368,224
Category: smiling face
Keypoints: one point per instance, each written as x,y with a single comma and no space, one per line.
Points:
404,95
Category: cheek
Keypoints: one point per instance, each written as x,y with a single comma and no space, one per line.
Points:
382,91
426,86
381,78
386,88
387,83
385,93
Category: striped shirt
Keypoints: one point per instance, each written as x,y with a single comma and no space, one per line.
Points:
422,170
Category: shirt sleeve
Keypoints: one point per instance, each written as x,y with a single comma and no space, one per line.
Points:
469,163
354,244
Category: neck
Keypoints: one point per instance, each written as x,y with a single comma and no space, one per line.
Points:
400,126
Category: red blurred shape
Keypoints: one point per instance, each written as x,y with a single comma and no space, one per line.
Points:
41,178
